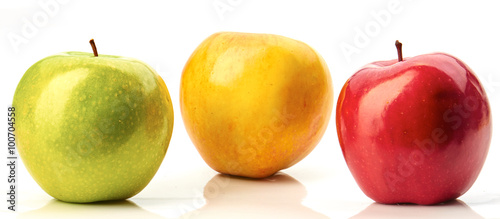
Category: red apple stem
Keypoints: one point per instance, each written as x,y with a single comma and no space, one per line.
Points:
399,47
92,43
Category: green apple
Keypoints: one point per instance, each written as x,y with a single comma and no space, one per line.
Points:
92,127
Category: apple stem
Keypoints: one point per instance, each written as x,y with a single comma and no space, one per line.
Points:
399,47
92,43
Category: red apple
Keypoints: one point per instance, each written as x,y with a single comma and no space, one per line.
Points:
415,130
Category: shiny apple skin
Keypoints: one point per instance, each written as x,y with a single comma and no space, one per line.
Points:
254,104
416,131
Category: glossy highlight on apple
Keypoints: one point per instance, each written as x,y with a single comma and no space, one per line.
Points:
414,130
92,127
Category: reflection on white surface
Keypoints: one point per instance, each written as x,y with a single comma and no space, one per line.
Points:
278,196
57,209
453,209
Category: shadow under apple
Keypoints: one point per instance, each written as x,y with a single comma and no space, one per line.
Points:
277,196
57,209
453,209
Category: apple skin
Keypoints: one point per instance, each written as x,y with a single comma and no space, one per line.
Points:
416,131
254,104
92,128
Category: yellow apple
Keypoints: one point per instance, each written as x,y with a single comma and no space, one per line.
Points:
254,104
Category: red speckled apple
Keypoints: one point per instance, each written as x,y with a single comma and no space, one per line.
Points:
415,130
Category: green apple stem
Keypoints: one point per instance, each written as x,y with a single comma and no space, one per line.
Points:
399,47
92,43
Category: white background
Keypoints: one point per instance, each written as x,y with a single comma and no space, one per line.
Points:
164,33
